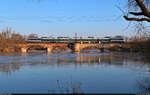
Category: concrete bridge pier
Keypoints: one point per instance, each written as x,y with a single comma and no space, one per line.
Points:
23,50
76,47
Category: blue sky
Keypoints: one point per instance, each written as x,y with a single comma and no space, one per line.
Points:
64,17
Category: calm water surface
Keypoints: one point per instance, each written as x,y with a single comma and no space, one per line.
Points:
67,72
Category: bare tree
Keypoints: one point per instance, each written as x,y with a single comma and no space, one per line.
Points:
139,9
9,39
33,36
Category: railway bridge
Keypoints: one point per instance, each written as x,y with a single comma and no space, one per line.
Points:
75,47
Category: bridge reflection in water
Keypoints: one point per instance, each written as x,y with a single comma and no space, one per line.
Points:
15,61
97,67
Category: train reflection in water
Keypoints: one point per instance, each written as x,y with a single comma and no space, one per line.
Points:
114,69
13,63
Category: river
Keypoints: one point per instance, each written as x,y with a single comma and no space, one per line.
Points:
66,72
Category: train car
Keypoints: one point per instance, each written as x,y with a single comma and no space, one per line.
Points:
92,39
117,39
106,39
87,40
48,39
33,40
63,39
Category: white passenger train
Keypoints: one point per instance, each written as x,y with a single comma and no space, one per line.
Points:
107,39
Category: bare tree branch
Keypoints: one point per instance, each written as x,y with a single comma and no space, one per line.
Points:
143,8
142,5
136,19
136,13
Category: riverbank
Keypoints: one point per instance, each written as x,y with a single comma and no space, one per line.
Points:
141,47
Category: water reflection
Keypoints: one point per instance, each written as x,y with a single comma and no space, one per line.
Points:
15,61
144,83
71,87
89,72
